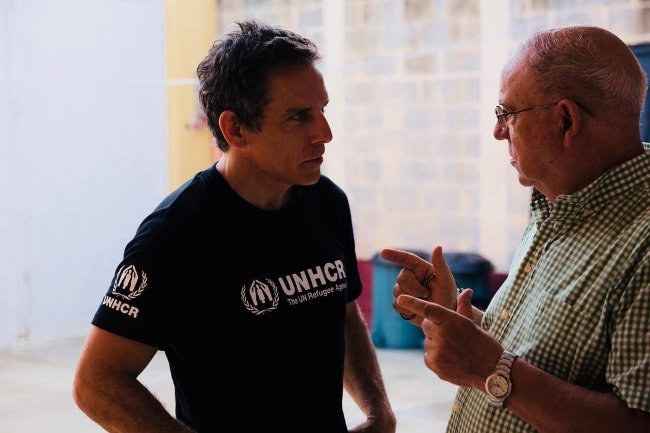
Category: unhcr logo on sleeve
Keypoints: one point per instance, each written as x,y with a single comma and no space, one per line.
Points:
128,284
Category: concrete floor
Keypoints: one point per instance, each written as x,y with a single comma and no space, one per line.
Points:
35,391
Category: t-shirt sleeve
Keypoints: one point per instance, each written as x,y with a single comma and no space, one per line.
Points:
139,303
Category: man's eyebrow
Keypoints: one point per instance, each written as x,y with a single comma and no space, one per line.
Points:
297,109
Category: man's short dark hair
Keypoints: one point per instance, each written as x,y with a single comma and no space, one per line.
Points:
233,76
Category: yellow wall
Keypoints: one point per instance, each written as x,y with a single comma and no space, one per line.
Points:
190,31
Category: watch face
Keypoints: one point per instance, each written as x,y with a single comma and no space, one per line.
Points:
497,386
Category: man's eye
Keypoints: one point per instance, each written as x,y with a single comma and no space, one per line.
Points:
300,115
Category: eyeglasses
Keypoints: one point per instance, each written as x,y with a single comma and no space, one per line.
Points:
503,114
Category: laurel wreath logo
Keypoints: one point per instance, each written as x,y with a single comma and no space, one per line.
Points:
134,294
255,310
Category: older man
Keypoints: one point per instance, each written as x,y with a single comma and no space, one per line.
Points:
564,346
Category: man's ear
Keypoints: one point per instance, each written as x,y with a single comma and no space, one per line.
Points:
571,118
231,128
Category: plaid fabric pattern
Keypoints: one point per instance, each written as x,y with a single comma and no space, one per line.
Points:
577,300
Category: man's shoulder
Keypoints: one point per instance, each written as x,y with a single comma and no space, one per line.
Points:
194,196
328,186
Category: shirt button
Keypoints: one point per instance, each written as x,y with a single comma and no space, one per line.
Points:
456,407
528,268
505,313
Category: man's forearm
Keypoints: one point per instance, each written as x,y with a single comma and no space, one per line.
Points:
126,407
552,405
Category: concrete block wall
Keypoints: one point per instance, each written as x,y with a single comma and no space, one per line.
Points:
413,84
411,102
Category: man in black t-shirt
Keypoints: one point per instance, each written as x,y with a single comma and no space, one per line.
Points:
245,276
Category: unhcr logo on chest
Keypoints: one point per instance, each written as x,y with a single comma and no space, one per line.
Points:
264,296
312,278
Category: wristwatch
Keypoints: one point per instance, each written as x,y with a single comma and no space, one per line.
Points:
497,384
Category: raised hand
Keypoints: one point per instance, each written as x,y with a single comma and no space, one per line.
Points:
430,281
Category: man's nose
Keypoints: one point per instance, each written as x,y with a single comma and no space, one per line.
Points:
324,130
500,132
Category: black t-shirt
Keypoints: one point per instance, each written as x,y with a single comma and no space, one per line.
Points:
248,305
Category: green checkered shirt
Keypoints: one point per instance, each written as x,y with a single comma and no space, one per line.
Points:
577,299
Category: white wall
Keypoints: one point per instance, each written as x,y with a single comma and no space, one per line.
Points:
83,153
4,172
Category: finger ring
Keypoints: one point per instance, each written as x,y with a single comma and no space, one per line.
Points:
428,279
405,317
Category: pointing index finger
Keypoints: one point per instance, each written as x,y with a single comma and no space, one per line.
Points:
408,260
428,310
